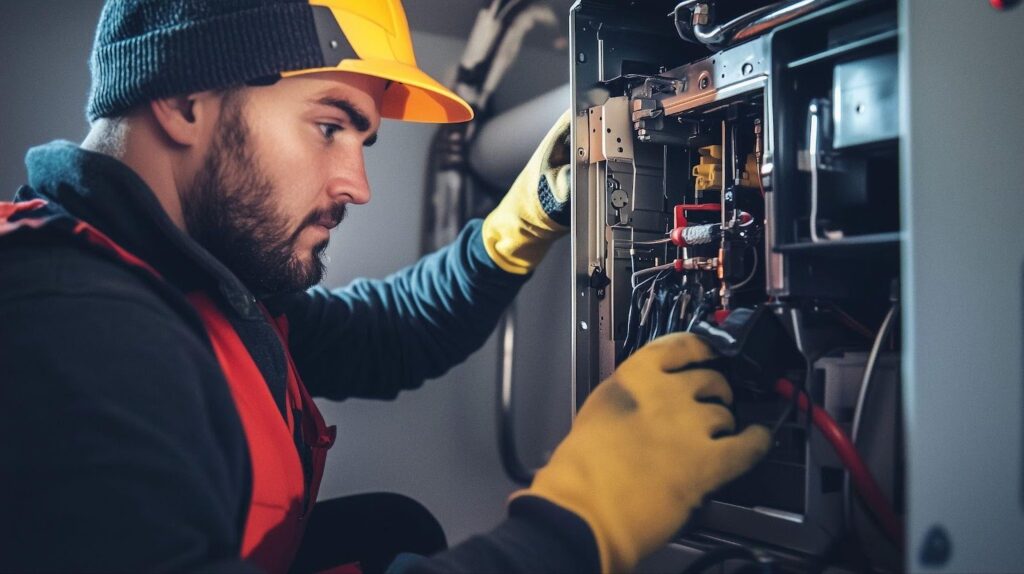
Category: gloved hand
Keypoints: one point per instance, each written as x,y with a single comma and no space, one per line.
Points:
535,211
643,451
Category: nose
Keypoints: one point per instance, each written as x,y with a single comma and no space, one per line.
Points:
349,181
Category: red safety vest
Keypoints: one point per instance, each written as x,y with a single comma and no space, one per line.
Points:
280,495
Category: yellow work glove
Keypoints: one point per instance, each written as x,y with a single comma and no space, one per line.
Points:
535,211
645,450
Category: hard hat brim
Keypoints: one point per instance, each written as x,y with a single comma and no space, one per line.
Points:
413,96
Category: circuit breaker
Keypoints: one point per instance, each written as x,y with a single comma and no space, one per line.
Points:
743,160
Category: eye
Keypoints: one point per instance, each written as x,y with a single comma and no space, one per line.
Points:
328,130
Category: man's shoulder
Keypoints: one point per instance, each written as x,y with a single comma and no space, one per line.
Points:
84,311
39,267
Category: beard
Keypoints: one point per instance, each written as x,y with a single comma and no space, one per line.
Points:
229,209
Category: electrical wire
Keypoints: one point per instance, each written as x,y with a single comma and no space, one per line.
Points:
749,277
668,309
633,317
798,338
698,314
848,320
514,467
632,321
634,330
654,323
648,301
649,270
865,389
672,324
869,369
653,313
858,471
645,313
654,242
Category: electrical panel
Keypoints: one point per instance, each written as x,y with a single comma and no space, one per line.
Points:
739,164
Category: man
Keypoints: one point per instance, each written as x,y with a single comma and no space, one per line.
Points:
160,347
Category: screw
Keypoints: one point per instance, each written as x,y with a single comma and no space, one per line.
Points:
937,546
334,44
581,57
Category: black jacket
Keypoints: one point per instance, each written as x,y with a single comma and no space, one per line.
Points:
120,446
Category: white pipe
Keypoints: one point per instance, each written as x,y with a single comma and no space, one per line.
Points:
505,143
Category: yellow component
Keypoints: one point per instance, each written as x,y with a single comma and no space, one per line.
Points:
709,171
751,173
642,452
518,232
379,34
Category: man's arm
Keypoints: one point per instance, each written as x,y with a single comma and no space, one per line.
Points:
375,338
538,536
647,446
116,452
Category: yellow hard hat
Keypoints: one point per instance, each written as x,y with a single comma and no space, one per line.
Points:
372,37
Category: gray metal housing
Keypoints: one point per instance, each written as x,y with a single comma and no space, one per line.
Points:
960,77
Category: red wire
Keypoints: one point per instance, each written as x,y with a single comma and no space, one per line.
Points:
860,475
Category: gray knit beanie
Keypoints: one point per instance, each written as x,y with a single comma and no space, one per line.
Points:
150,49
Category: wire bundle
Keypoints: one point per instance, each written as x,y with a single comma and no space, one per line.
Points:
661,304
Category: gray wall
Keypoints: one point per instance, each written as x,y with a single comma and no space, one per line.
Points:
44,78
963,324
436,444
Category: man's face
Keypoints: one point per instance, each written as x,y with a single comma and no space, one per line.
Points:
285,161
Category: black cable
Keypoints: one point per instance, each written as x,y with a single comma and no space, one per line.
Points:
659,314
641,337
631,326
664,301
654,314
661,303
650,322
670,308
513,465
802,384
698,315
680,312
764,563
632,321
654,320
673,313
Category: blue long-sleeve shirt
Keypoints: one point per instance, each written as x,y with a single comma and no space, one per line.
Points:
120,446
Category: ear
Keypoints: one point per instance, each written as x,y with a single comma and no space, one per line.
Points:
186,119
